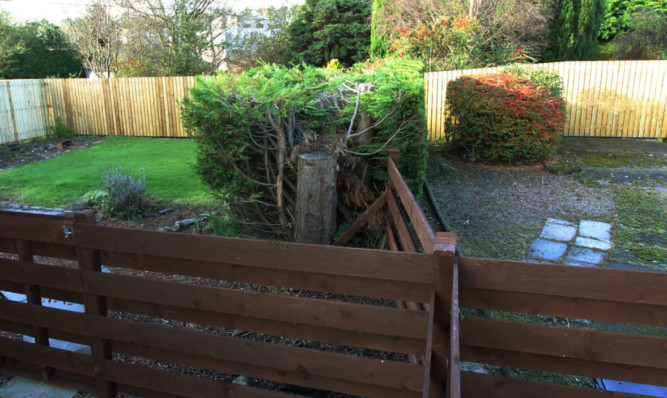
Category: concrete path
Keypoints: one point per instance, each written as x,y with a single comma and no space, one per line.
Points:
584,244
18,387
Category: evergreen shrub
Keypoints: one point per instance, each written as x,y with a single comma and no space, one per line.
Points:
503,117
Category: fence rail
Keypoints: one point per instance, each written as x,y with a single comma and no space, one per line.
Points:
604,98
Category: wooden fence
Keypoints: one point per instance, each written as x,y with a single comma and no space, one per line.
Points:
604,98
137,107
23,110
197,311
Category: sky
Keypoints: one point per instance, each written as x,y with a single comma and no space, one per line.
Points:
56,11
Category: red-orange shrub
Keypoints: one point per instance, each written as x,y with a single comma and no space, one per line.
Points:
502,117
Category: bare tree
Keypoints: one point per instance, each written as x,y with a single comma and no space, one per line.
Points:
97,36
177,37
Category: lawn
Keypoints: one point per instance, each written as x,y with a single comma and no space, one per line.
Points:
167,164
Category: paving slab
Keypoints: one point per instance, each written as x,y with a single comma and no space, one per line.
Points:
592,243
596,230
561,222
584,255
558,230
547,250
615,265
18,387
569,261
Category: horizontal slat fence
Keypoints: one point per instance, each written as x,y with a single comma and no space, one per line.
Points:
137,107
604,98
330,336
594,294
23,110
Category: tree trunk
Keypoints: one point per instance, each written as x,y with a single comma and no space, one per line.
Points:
315,211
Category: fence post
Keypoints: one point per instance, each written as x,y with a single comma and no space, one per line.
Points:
89,261
443,369
11,111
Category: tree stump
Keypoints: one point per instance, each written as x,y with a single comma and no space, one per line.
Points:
315,210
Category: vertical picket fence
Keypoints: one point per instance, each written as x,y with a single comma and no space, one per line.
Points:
604,98
138,107
23,110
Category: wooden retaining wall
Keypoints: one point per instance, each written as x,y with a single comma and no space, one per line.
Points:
604,98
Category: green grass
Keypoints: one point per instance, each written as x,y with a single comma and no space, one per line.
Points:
167,163
642,224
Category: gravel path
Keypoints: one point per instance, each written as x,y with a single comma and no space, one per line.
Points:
497,211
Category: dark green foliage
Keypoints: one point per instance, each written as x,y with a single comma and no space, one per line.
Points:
576,30
646,39
504,118
330,29
618,14
11,45
47,53
35,50
378,40
239,122
392,79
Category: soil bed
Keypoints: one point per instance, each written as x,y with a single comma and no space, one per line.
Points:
19,154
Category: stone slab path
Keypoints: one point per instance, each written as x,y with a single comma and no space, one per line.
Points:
584,244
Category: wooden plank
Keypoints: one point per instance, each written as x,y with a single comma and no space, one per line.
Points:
637,287
362,220
23,328
12,111
39,316
40,274
160,94
442,309
340,315
108,107
407,267
34,297
300,366
404,236
89,262
358,286
567,366
417,217
276,328
563,342
454,374
480,385
47,356
47,292
567,307
33,229
173,383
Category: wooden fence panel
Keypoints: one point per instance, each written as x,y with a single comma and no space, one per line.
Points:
604,98
141,107
575,292
23,110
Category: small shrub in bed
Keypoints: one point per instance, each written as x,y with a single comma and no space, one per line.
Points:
504,117
126,193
